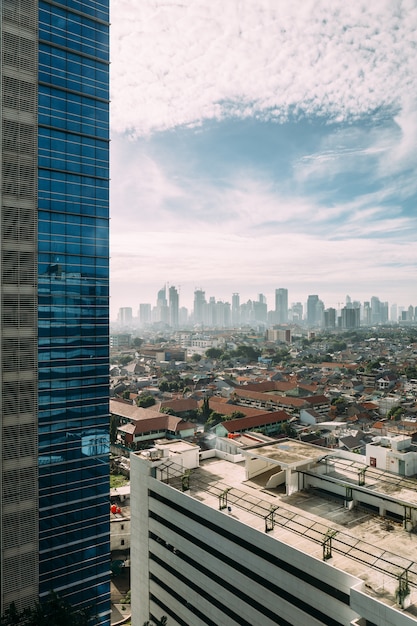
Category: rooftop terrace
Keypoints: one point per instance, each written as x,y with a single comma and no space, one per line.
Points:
374,549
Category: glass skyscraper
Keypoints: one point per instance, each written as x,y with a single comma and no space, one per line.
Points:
54,490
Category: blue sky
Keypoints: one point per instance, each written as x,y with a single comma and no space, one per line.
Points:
258,146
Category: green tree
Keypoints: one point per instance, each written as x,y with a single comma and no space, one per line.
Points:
288,429
114,423
55,611
137,342
214,419
145,401
164,385
167,410
395,413
125,359
196,357
205,410
234,415
410,371
248,352
214,353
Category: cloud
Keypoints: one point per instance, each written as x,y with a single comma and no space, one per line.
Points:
250,234
222,263
180,63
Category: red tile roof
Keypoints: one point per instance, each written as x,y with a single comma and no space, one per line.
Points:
266,397
255,421
217,404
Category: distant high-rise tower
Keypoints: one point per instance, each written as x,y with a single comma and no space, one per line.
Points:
199,306
375,310
161,311
235,310
145,313
393,313
312,316
54,357
330,318
260,309
350,317
367,314
173,307
125,316
297,312
281,306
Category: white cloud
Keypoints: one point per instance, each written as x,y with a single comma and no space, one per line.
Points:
222,262
182,62
250,237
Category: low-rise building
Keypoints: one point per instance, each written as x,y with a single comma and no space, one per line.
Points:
397,454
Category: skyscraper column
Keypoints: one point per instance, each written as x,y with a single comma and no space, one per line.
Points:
18,304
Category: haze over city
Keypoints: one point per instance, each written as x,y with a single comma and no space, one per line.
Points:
256,146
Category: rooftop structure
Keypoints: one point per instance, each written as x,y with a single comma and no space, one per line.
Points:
295,534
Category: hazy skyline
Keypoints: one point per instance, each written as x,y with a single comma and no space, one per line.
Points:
257,147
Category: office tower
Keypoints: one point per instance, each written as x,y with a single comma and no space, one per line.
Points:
183,316
330,318
312,302
384,312
173,307
247,313
350,318
375,310
367,314
281,306
297,312
211,319
125,316
260,310
222,314
144,314
54,530
393,313
320,313
161,311
161,298
235,310
199,306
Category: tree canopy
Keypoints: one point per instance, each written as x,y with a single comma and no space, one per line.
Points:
145,401
214,353
55,611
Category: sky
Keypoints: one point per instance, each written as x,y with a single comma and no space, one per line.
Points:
259,144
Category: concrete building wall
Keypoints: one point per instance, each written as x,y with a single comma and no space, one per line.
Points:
195,562
19,509
120,534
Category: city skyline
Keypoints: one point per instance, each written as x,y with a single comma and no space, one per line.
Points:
312,312
270,301
256,145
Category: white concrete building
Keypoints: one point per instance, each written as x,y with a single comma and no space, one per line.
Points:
397,454
295,534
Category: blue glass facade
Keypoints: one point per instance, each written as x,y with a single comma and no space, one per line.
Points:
73,283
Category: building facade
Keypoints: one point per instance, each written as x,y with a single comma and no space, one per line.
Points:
54,303
218,543
281,306
174,307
